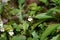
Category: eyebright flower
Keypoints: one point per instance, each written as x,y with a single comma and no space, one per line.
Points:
30,18
11,33
2,29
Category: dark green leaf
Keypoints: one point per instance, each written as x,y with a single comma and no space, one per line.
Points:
56,37
49,29
25,25
44,1
43,16
35,35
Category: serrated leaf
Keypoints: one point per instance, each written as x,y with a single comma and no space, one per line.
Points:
49,29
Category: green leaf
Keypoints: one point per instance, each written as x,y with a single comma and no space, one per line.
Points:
56,1
43,16
20,37
25,25
35,39
8,27
14,11
57,37
32,38
16,26
44,1
32,6
1,38
35,24
35,35
53,9
20,16
49,29
31,12
20,2
29,38
1,8
58,28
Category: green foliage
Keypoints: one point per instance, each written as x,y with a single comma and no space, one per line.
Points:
3,36
20,37
1,8
14,11
33,8
15,16
16,26
44,1
8,27
37,23
57,37
25,25
35,35
43,16
29,38
56,1
58,29
20,2
49,29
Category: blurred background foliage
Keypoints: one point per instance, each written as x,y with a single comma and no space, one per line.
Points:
29,19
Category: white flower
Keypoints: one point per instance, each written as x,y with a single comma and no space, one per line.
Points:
11,33
1,24
2,29
30,18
